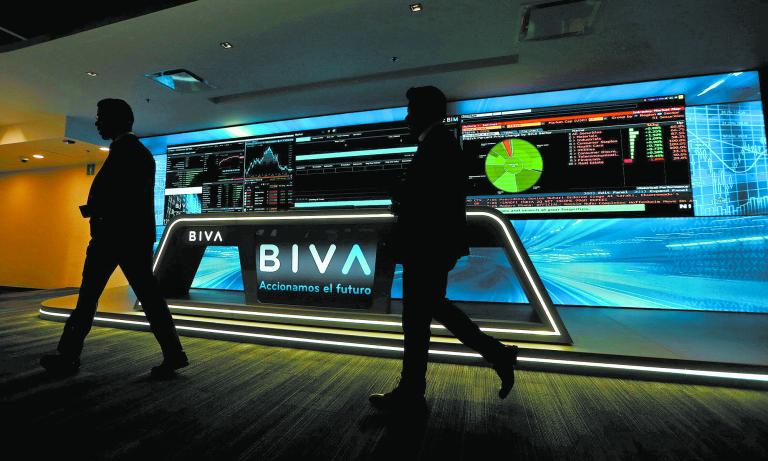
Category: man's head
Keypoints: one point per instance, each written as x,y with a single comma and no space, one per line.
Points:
426,105
113,118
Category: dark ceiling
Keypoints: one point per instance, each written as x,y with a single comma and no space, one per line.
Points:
24,25
300,58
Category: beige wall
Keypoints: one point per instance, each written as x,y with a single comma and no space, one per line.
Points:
42,235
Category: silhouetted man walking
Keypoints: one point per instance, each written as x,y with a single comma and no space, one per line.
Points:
429,238
122,219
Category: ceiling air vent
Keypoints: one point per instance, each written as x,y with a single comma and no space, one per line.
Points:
556,19
180,80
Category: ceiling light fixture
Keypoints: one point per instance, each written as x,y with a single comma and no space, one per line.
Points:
226,45
91,74
416,7
180,80
38,155
557,18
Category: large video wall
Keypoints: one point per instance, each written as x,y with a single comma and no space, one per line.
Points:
713,260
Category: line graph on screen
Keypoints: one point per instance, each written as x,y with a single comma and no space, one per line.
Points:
729,163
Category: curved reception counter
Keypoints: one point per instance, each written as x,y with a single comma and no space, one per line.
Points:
323,280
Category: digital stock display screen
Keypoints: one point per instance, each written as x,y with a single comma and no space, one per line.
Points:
639,262
354,166
623,158
351,167
268,173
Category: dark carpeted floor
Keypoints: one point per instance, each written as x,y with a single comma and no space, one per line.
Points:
247,401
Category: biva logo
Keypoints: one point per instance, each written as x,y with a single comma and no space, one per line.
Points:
204,236
269,260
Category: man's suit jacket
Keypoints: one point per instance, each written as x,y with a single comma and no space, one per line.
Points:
430,203
121,198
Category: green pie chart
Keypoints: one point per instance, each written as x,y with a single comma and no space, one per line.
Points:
514,165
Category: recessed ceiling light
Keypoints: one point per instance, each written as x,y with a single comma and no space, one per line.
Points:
104,149
91,74
226,45
38,155
416,7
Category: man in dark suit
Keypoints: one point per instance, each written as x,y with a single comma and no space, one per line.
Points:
430,235
122,219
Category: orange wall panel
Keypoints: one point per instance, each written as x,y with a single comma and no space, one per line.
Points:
42,235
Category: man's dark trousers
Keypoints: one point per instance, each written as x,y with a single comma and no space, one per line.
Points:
425,280
107,250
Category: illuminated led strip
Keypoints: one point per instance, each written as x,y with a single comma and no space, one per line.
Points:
681,371
555,331
341,319
576,363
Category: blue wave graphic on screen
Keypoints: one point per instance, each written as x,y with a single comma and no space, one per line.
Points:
220,269
671,263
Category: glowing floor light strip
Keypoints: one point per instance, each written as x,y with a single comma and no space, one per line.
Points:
578,363
619,366
342,320
527,271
